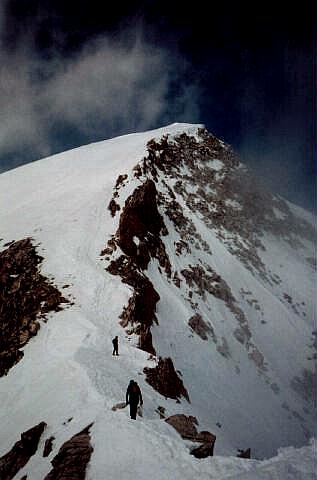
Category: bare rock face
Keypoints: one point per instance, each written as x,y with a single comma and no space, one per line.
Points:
25,295
21,452
141,219
199,326
48,446
203,451
139,314
138,236
244,453
211,282
165,380
120,181
214,171
227,196
113,207
72,459
186,426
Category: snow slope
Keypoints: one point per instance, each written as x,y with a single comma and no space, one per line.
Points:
257,393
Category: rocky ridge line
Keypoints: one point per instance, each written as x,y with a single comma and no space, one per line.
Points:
229,199
172,158
138,236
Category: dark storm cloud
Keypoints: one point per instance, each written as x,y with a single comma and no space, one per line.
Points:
104,87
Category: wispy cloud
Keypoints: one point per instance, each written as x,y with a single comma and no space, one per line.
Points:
108,86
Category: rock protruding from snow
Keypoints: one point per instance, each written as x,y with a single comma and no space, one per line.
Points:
228,198
72,459
165,380
139,315
203,451
244,453
25,295
48,446
140,312
21,452
200,327
140,219
186,427
114,207
250,282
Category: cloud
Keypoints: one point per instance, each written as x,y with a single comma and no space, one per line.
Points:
109,87
112,83
276,156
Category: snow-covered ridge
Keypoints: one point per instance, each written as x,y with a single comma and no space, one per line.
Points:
132,139
234,315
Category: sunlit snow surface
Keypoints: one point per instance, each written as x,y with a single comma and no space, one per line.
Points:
68,370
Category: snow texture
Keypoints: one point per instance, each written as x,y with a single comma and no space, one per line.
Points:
259,397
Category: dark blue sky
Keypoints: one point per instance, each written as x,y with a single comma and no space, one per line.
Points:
80,71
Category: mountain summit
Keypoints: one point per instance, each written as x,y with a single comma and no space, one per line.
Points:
166,240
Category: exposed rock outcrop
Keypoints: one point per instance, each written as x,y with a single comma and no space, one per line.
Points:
211,282
230,200
120,181
138,236
114,207
203,451
199,326
72,459
165,380
205,279
186,426
21,452
244,453
139,315
25,296
48,446
140,219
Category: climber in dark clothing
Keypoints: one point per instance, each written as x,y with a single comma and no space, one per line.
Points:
115,346
133,397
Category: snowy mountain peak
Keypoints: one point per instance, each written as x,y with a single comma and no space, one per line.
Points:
166,240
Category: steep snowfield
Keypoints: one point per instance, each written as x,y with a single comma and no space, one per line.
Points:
255,394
